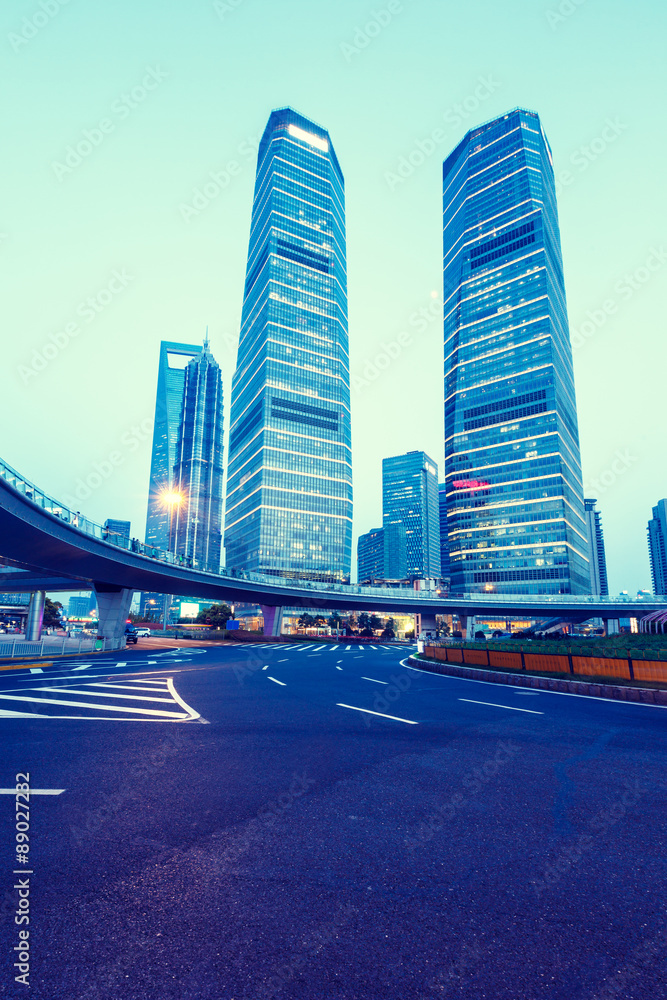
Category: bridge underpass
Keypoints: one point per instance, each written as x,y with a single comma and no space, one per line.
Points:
49,547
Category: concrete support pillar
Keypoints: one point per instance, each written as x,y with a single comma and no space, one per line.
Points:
611,626
33,627
113,605
425,622
273,619
467,623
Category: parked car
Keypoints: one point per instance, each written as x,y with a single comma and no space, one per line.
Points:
131,636
142,632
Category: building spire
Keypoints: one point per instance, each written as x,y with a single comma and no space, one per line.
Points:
206,342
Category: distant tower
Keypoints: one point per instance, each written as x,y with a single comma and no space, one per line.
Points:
289,487
515,502
657,547
410,498
174,359
198,468
596,553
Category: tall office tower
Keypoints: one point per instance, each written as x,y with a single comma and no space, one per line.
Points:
444,541
174,359
596,554
657,547
289,489
515,505
116,528
410,498
382,554
197,478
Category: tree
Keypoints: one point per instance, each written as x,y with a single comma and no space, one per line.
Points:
375,623
52,612
305,621
363,621
320,621
388,631
480,635
217,615
335,621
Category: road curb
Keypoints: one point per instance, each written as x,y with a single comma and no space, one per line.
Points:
26,665
648,696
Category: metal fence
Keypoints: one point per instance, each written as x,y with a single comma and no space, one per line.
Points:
21,648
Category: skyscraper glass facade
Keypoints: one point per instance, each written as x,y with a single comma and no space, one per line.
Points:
198,468
657,547
597,559
515,510
410,498
174,359
289,489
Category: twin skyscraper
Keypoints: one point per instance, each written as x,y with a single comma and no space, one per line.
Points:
514,505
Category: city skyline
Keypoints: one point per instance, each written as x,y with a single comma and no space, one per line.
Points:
154,268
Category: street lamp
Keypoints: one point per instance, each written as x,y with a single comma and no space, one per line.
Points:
170,499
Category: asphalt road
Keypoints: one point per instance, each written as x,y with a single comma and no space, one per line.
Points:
228,824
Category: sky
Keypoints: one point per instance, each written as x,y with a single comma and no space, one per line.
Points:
129,160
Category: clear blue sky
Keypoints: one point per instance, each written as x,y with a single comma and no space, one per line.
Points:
216,71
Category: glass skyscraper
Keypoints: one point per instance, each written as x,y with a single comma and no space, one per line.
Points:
410,498
198,467
289,489
515,508
174,359
657,547
596,553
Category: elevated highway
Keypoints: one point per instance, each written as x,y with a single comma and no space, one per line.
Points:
50,547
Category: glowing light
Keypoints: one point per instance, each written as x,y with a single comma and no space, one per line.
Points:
470,484
171,498
313,140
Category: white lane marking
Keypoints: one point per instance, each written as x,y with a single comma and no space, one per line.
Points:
347,647
279,661
332,648
36,670
304,647
101,694
320,647
34,791
150,662
282,684
123,663
512,708
83,666
127,687
338,668
533,694
373,681
6,714
176,696
266,667
410,722
373,647
83,704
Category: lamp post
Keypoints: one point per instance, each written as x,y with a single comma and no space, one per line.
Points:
170,499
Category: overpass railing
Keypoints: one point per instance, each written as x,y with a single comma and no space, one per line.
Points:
82,523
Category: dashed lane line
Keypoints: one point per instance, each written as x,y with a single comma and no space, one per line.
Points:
275,681
373,680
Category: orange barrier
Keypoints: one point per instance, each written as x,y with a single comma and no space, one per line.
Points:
454,654
601,666
650,670
440,653
554,663
477,656
500,658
